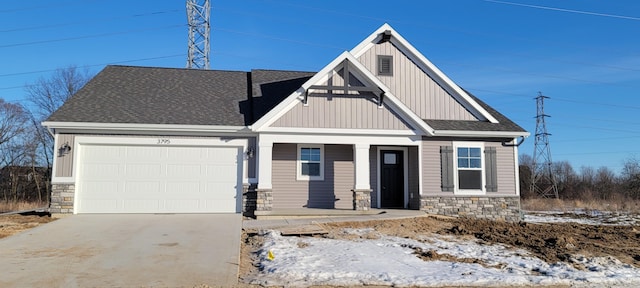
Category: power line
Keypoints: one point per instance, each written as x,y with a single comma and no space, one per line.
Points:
62,4
90,36
90,21
91,65
566,10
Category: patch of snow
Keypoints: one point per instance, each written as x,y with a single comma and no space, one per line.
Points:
392,261
589,217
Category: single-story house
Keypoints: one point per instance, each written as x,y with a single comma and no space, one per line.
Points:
379,126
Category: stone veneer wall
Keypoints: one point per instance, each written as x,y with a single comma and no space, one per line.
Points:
62,198
361,199
494,208
264,199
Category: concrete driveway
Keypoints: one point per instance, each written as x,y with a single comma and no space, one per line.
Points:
125,250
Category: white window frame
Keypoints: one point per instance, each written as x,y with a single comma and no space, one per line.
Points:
299,163
457,190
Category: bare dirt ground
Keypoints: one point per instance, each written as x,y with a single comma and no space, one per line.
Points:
15,223
550,242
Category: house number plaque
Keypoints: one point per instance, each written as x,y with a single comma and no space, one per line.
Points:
163,141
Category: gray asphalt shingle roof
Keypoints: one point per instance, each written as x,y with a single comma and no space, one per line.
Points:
151,95
504,124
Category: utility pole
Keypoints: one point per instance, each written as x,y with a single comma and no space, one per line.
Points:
198,12
543,181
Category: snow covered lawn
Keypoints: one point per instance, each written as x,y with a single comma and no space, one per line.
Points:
377,259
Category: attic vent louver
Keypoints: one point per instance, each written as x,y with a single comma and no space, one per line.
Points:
385,65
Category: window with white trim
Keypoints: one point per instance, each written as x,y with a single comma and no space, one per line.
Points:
469,159
310,162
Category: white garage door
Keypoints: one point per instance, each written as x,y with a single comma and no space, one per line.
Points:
159,179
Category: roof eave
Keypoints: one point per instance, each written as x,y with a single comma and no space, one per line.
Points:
126,128
489,134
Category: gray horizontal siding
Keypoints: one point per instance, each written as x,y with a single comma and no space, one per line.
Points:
333,192
431,174
506,168
414,87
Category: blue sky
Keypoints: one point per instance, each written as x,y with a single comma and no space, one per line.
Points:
584,54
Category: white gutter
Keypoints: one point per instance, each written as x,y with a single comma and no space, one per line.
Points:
492,134
76,126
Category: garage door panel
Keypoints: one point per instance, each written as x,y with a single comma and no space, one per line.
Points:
184,171
150,189
141,205
144,153
221,171
143,171
152,179
104,154
226,155
99,189
99,171
185,154
100,205
182,189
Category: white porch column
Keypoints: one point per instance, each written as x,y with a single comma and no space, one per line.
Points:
362,173
264,164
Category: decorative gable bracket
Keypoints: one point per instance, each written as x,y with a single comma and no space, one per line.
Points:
346,87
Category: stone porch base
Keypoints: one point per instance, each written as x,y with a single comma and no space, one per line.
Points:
503,208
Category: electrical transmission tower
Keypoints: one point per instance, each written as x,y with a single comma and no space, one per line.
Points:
543,180
198,19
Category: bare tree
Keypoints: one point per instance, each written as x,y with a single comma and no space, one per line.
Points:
48,94
631,177
12,121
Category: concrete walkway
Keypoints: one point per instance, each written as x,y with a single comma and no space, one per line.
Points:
312,216
125,250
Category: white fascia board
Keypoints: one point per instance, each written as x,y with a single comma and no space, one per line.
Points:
471,133
338,131
133,127
423,63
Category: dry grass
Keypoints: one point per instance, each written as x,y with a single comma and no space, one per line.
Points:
20,206
614,205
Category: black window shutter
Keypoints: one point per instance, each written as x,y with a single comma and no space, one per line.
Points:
491,169
446,167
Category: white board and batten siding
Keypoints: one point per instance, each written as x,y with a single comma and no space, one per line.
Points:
134,175
414,87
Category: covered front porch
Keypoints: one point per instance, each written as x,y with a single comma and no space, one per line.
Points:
336,174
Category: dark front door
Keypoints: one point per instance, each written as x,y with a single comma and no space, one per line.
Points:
392,179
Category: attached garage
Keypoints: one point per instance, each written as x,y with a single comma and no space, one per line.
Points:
168,178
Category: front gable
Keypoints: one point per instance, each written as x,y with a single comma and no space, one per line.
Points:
343,95
419,83
413,86
391,89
